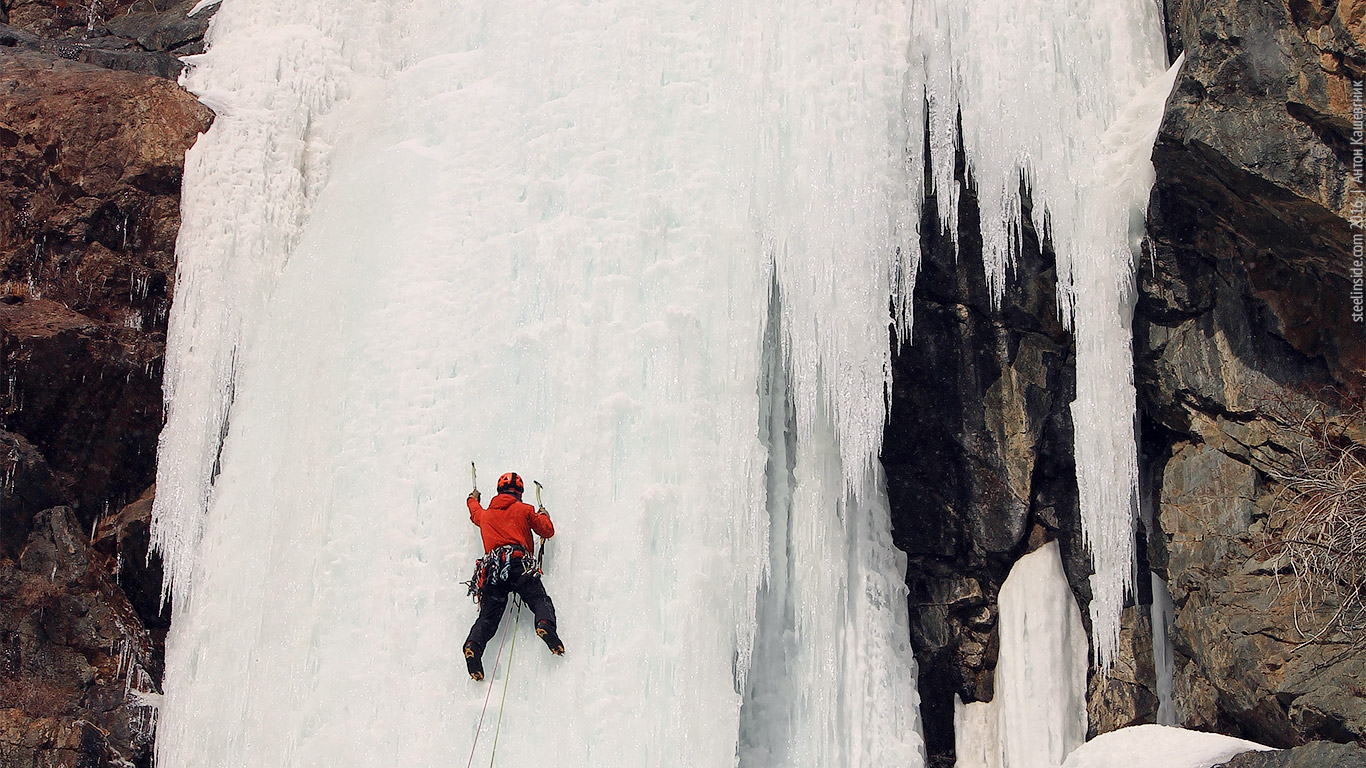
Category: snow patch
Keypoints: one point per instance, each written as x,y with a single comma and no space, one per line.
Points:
1159,746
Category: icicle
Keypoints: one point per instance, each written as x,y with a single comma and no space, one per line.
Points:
837,197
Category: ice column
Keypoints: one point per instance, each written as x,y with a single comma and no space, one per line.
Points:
976,734
1164,658
1039,713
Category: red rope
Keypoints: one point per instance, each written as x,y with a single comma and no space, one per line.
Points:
479,728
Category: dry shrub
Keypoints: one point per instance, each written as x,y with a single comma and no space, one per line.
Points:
1321,503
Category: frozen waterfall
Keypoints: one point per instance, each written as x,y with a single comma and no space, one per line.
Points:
646,253
542,238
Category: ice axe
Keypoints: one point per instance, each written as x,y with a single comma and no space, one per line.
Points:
474,479
540,556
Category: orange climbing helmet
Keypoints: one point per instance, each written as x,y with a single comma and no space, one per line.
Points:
511,482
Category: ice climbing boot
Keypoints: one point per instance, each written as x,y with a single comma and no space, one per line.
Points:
474,664
552,640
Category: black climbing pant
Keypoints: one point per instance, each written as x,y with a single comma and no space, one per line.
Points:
495,598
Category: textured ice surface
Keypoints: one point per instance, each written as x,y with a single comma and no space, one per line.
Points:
1158,746
1038,715
543,237
977,735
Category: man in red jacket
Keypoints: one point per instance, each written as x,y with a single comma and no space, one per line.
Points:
509,567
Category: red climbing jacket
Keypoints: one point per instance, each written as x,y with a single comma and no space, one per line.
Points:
509,521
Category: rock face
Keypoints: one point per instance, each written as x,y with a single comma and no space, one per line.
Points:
979,461
71,646
89,188
87,396
137,36
1317,755
1248,360
90,166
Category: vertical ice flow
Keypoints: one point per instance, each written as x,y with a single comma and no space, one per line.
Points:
976,735
1164,656
542,237
851,659
1062,99
1039,713
272,80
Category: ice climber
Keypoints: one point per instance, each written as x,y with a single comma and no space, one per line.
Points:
508,566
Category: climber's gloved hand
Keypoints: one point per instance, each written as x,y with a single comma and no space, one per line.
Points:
474,495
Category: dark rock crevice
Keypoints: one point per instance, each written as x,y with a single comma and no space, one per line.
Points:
977,453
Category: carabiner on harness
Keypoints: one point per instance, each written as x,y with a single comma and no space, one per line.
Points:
498,567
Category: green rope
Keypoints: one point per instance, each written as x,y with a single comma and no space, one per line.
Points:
507,673
507,676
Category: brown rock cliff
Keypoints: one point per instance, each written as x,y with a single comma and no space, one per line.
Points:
90,167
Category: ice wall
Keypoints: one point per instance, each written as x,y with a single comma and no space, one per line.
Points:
1038,715
543,237
1062,99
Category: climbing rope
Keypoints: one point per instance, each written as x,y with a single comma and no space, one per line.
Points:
507,676
492,677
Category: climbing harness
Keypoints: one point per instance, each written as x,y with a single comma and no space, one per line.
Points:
498,566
